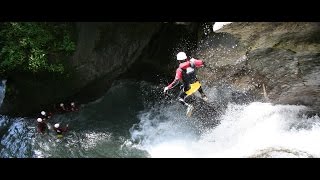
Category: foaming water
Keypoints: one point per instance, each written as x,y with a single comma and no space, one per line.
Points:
254,130
16,136
84,144
2,90
163,130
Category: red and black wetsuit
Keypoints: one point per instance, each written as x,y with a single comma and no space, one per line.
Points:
186,72
42,126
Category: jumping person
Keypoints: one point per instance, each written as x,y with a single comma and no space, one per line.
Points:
186,72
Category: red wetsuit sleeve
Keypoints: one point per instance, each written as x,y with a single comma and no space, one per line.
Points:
176,79
197,62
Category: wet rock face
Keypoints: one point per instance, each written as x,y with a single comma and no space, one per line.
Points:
105,51
306,89
282,57
109,47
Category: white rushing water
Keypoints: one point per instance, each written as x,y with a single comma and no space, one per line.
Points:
254,130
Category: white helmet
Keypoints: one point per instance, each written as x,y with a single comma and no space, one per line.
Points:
72,103
61,104
39,120
57,125
43,113
181,56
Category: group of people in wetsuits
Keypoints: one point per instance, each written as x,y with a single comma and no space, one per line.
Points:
42,120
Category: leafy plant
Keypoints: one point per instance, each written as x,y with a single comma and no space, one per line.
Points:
34,46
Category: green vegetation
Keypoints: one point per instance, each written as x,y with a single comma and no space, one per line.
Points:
35,47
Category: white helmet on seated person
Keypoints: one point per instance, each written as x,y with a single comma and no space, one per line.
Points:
39,120
57,125
43,113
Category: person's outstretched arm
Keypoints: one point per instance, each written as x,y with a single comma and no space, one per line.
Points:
176,80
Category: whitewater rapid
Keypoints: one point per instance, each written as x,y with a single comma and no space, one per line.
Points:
253,130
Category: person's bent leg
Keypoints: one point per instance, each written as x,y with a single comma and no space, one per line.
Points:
203,96
181,98
201,90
